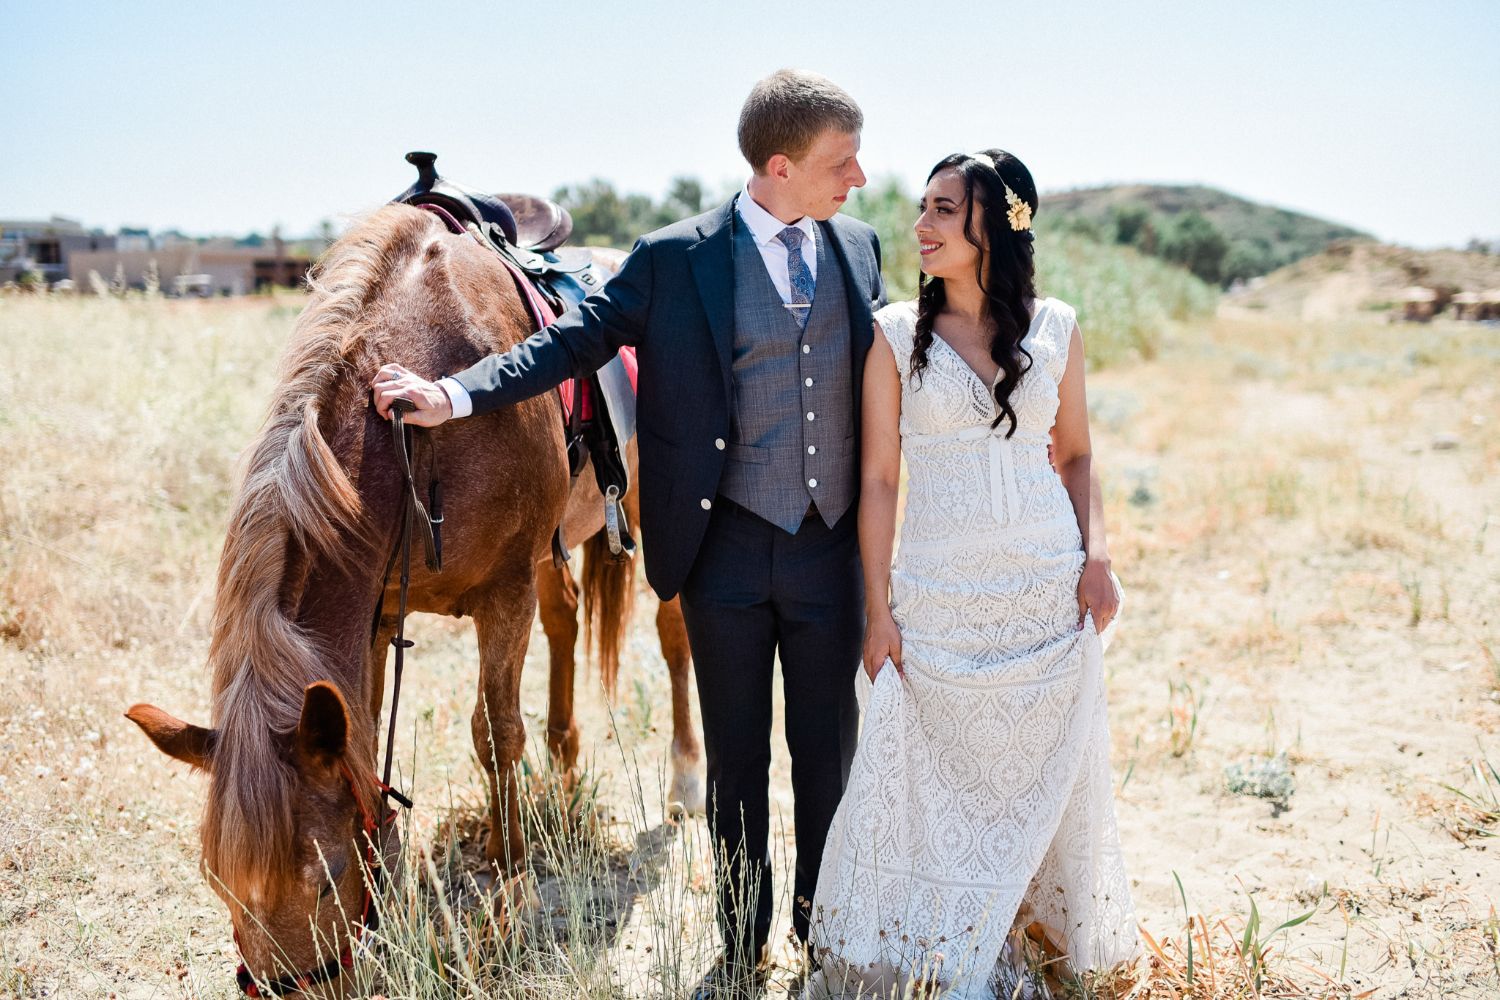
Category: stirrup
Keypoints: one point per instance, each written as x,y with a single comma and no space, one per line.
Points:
621,545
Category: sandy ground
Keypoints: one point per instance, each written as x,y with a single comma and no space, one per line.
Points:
1304,522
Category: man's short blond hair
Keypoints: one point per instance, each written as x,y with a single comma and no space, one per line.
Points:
787,110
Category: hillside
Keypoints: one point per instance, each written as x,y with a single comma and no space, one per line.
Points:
1166,220
1364,276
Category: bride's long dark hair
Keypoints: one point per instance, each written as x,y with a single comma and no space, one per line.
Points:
1006,270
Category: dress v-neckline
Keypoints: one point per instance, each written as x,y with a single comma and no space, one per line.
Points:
989,387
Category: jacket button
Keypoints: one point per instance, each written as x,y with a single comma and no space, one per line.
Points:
812,449
812,483
806,348
705,503
809,414
719,443
807,381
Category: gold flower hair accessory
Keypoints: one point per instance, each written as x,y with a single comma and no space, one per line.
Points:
1019,214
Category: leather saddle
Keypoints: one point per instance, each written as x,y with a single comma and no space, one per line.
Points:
598,411
528,222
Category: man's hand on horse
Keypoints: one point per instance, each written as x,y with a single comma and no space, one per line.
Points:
394,382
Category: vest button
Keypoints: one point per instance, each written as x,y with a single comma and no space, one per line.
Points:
719,443
812,449
809,414
807,381
705,503
806,348
812,483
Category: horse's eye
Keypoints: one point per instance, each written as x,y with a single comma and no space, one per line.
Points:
335,872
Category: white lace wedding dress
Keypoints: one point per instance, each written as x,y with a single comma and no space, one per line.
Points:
980,794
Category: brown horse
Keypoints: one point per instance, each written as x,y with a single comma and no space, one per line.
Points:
297,678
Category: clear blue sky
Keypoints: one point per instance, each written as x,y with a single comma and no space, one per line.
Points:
227,117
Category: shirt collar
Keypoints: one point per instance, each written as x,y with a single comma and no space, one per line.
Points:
763,225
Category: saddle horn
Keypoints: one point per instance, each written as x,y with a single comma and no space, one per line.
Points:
426,164
464,204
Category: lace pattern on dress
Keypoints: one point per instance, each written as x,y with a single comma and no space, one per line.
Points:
980,795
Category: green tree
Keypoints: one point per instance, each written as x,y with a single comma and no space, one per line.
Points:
1247,259
600,215
684,198
891,209
1134,225
1196,244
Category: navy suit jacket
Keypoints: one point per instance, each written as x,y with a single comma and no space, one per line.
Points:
673,301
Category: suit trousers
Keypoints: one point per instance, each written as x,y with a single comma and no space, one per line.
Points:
757,592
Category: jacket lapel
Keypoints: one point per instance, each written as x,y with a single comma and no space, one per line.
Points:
861,319
711,260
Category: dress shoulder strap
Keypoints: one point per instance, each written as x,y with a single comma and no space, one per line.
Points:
898,321
1056,331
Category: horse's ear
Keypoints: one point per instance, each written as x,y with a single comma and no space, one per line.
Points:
186,742
323,730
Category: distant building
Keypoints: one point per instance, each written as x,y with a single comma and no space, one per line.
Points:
133,239
213,268
62,250
1477,305
1417,304
44,247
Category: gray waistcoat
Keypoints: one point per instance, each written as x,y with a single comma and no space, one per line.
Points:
792,440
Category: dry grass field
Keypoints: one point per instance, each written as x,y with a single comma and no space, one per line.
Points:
1303,690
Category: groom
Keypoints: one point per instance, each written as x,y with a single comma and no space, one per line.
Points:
751,324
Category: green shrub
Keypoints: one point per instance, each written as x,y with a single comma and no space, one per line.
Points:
1124,298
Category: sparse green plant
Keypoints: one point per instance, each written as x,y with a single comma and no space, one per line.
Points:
1135,750
1183,707
1255,946
1378,851
1476,809
1263,777
1213,960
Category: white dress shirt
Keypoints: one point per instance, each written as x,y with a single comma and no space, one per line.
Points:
763,226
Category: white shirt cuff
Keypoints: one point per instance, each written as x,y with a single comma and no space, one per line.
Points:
458,396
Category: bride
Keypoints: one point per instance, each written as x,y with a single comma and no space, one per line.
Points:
980,795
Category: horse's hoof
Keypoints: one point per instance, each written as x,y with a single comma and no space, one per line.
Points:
687,794
513,901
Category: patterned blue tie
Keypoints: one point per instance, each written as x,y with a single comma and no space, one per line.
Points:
798,275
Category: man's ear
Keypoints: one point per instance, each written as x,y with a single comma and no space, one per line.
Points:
323,729
184,741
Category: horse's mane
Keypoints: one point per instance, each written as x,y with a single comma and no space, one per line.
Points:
293,497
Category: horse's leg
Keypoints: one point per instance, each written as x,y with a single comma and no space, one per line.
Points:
503,621
687,752
558,594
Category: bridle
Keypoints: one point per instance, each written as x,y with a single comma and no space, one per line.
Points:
413,513
369,915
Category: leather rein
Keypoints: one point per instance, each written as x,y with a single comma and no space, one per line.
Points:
414,514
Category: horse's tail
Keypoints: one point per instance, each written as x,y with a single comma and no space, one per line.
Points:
608,592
